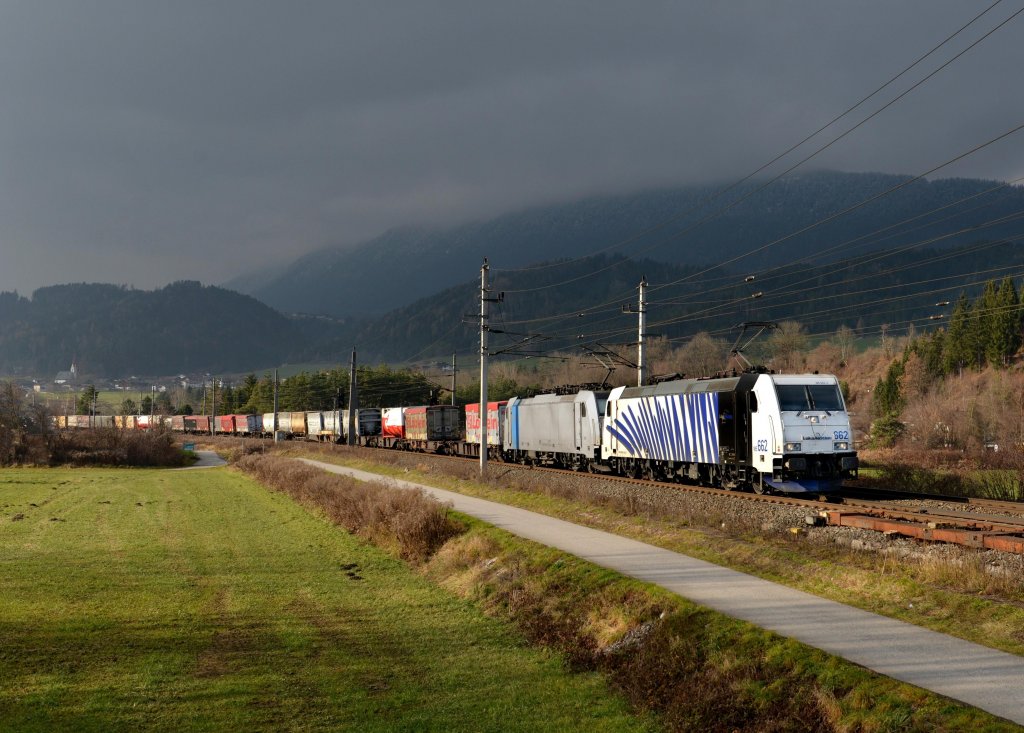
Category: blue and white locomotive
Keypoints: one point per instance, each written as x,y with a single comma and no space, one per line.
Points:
765,432
754,431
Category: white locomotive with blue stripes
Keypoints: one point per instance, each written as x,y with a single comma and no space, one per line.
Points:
765,432
754,431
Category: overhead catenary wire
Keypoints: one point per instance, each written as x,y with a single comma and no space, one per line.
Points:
845,211
919,244
805,318
807,158
854,207
723,308
729,280
785,270
776,158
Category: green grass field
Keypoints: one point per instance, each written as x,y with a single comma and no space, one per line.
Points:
198,600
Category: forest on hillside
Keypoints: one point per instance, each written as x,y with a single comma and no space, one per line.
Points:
571,307
118,331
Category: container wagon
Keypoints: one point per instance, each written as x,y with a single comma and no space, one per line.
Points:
297,424
393,422
434,429
284,423
495,428
368,423
197,424
314,422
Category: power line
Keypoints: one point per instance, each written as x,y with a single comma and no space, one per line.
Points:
819,150
729,280
854,207
774,160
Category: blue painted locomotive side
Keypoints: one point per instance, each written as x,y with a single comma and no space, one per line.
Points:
680,427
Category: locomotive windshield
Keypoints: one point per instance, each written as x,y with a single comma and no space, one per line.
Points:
799,397
825,397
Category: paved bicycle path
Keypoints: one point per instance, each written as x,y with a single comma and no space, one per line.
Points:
207,459
985,678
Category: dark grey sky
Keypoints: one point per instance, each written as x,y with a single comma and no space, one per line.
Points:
143,142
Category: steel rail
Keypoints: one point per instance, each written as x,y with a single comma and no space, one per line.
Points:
1003,533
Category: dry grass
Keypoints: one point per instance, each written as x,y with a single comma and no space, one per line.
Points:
407,521
626,500
697,669
989,475
113,447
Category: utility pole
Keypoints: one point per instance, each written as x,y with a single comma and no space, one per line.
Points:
485,302
484,313
275,406
353,401
337,414
641,368
454,372
213,408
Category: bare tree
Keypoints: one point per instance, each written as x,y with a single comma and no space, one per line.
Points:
887,341
845,339
787,345
703,356
916,380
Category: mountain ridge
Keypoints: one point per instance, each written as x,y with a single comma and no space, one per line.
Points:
404,264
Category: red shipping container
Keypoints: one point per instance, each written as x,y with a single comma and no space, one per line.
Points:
393,422
495,411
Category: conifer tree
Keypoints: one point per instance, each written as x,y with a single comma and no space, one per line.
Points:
958,349
228,398
86,400
888,396
887,404
982,326
933,352
1003,325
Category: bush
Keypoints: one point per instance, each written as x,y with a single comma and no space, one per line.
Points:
114,447
408,521
885,431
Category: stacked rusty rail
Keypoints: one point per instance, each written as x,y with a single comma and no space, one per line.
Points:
1005,534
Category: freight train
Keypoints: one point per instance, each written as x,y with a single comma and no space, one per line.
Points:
756,431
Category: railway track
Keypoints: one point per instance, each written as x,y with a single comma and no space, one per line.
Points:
857,490
976,523
970,522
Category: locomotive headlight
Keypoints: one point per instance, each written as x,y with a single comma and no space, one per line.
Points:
793,446
841,445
